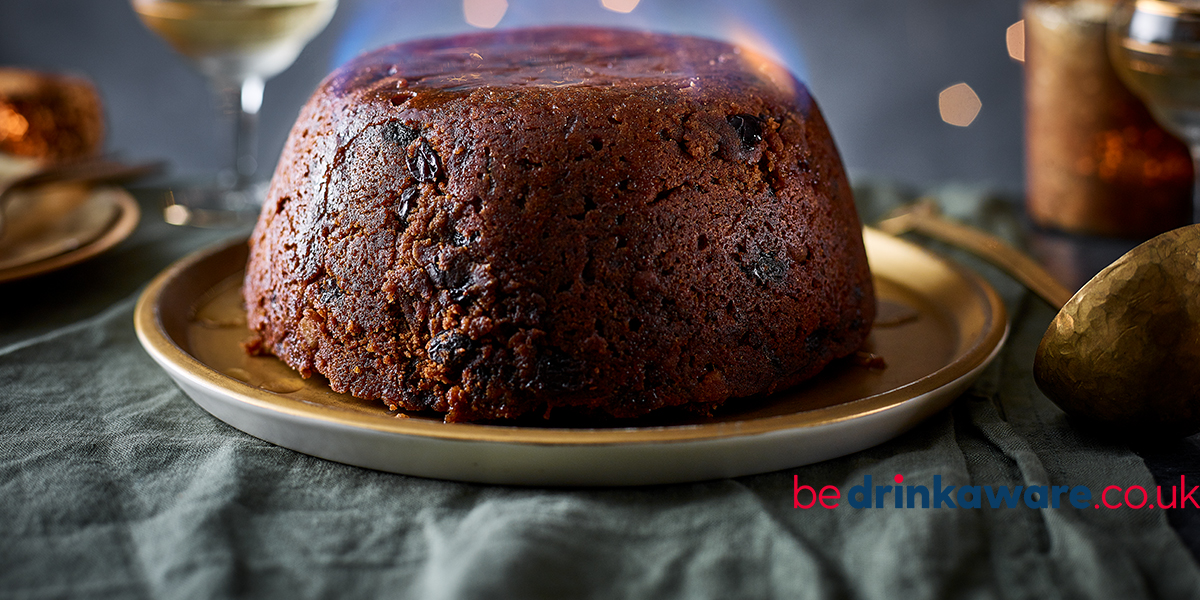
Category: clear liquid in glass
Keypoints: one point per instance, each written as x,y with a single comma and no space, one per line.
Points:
234,39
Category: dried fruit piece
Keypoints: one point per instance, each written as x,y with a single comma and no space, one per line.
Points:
423,164
769,267
749,129
330,292
455,277
449,348
408,201
400,134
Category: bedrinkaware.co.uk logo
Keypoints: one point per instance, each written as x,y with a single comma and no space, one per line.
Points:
899,495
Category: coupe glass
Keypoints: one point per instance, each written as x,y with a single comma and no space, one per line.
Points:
238,45
1155,47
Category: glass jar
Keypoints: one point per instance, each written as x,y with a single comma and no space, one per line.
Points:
1096,161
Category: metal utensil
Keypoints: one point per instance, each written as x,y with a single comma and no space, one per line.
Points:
1123,351
925,218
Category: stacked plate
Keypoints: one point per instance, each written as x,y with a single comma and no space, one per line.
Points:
55,226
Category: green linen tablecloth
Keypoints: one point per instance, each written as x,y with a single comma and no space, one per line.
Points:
114,484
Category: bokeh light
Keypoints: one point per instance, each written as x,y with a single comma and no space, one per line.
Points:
12,124
1015,38
177,214
621,6
959,104
484,14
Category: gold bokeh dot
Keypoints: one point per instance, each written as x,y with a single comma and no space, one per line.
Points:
1015,38
621,6
12,124
484,14
177,214
959,104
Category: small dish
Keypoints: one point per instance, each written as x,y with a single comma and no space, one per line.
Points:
104,218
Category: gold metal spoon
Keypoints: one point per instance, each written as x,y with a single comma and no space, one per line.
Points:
924,217
1123,351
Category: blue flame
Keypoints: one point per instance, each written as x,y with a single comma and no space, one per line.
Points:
377,23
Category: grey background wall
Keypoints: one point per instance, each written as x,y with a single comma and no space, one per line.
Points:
875,66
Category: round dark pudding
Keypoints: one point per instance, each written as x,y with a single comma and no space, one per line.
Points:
510,222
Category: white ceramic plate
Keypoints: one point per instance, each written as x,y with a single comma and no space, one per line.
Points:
939,326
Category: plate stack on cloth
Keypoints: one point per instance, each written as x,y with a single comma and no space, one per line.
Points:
47,120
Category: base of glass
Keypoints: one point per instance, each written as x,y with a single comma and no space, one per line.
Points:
213,205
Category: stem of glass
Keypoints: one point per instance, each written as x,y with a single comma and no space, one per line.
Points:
248,99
